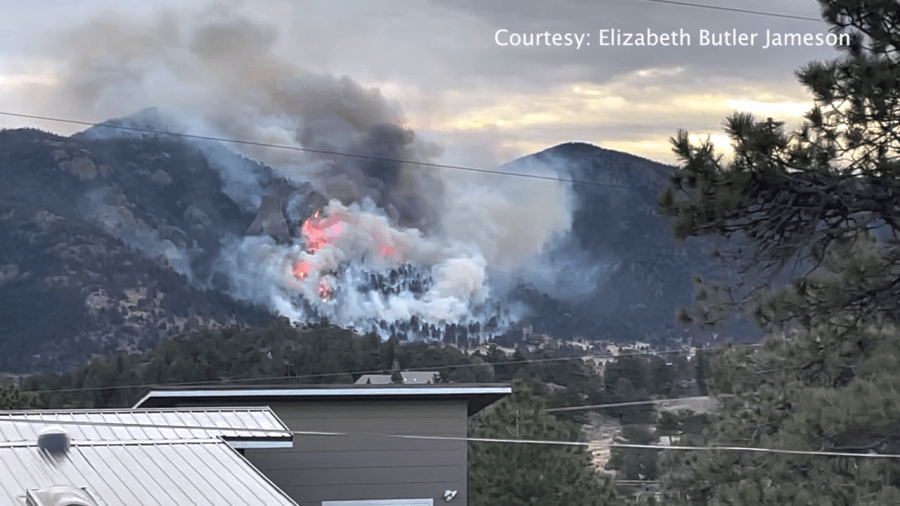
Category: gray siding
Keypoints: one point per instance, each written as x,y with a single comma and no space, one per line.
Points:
368,465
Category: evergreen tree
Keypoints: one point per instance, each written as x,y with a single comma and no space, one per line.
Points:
531,474
12,398
633,463
817,207
821,200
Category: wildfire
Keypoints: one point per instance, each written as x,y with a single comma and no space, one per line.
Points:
301,270
350,234
320,231
324,289
389,251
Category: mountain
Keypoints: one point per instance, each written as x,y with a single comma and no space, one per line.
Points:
113,242
97,239
615,224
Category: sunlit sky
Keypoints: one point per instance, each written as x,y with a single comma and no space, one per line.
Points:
440,63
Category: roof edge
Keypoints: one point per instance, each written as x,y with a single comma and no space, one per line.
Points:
350,392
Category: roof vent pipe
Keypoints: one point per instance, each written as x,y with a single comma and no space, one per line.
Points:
54,439
62,495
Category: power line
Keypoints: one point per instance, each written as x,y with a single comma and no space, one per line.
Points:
758,450
227,381
302,376
4,418
732,9
625,404
315,151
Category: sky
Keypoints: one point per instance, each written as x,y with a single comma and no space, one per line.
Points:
439,68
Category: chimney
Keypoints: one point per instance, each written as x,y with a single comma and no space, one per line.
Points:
54,439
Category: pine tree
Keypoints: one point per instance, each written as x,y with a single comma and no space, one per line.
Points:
805,200
820,208
13,398
531,474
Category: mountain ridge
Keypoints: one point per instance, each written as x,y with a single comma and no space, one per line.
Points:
110,244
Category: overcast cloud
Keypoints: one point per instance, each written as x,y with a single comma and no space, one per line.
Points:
438,66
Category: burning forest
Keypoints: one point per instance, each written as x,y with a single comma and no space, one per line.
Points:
355,267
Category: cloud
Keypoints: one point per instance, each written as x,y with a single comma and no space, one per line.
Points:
437,58
654,103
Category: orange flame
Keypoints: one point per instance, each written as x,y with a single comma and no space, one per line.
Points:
324,292
301,270
389,251
320,232
386,248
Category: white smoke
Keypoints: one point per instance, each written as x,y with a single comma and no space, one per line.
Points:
358,240
111,211
508,220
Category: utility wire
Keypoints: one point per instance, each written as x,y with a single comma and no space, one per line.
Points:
624,404
227,381
732,9
758,450
4,418
316,151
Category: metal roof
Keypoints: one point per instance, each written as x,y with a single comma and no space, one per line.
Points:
409,378
374,379
197,472
419,377
261,426
476,395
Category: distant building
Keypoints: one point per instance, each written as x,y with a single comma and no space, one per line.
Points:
485,350
419,377
598,364
406,377
361,445
580,345
374,379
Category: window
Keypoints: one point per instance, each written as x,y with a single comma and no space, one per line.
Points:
389,502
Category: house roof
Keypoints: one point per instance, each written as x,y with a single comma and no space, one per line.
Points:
418,377
241,427
196,472
374,379
408,378
477,396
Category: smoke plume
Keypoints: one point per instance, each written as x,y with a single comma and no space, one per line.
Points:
395,243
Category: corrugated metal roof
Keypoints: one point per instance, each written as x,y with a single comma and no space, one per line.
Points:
193,472
158,425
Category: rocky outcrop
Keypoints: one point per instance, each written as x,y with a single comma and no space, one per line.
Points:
270,220
103,247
